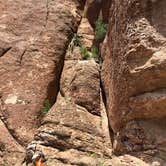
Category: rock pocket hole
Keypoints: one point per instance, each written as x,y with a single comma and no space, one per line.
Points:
3,51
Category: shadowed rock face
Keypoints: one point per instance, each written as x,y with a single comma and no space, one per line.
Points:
93,9
136,81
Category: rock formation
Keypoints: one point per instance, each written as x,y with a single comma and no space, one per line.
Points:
134,76
72,103
33,43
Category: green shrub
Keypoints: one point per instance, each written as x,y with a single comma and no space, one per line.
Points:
95,52
100,164
93,154
100,30
67,98
76,40
46,106
85,53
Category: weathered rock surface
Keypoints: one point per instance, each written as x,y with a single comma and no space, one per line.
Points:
69,127
9,147
81,81
75,131
32,47
38,62
32,53
134,75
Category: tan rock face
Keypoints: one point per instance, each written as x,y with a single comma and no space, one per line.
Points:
68,127
75,131
32,52
80,80
86,33
32,48
9,144
40,61
134,74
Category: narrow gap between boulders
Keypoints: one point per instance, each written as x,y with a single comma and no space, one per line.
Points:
54,86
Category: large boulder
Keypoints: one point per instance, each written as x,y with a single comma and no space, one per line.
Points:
134,75
80,80
34,36
32,53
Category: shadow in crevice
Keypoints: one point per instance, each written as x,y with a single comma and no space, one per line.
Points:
156,14
54,85
111,133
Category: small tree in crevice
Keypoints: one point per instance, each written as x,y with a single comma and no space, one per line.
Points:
85,53
46,106
77,40
100,30
95,52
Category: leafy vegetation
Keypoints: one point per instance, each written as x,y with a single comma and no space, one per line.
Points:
100,30
67,98
92,154
85,53
77,40
46,107
100,164
95,52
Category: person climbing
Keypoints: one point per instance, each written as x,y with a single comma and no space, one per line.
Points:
39,162
38,159
34,156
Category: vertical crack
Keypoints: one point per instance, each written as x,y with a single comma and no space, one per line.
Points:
47,12
111,133
21,57
54,86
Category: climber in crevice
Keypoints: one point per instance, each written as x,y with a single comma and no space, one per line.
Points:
34,155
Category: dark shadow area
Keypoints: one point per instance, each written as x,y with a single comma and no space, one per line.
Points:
156,13
81,4
3,51
111,133
54,86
